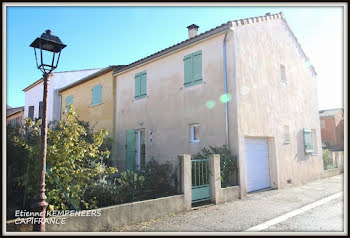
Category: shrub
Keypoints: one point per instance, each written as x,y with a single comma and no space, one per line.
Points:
228,163
158,176
74,158
327,159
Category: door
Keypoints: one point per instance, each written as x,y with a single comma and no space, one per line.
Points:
257,164
130,149
200,180
140,149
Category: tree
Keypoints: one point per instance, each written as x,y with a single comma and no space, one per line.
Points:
74,159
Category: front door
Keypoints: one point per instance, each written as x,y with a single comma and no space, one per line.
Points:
135,149
140,149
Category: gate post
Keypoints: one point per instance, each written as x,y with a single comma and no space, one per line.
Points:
186,179
215,182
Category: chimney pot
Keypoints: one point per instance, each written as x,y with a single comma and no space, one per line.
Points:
268,14
192,31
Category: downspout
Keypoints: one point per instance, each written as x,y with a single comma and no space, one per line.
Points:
59,106
225,80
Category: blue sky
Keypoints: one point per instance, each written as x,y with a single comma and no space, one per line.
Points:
102,36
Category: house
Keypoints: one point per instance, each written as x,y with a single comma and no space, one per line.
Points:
34,93
14,116
246,83
92,98
332,128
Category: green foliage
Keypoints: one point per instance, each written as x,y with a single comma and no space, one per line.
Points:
157,176
228,163
327,159
130,186
74,156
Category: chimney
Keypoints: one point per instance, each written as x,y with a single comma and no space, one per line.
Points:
268,14
192,31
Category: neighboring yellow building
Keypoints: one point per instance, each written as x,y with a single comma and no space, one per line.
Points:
92,98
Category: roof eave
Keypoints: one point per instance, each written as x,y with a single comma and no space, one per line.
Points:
89,77
166,51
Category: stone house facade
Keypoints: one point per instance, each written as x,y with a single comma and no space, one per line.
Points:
246,83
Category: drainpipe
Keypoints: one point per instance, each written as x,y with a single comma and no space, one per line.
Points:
59,106
225,80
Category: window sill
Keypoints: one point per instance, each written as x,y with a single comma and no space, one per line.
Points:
96,104
193,84
286,143
138,98
195,142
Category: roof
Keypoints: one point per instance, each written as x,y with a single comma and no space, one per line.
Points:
91,76
330,112
41,79
209,33
11,111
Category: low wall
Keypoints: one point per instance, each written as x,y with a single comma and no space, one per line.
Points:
125,214
114,217
331,172
229,194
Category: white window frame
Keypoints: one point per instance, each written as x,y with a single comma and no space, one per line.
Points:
314,142
286,134
192,133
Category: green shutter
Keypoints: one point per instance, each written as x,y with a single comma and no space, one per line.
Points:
197,66
137,86
188,70
143,84
130,149
97,95
69,100
308,142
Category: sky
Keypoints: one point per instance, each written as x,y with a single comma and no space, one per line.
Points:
97,37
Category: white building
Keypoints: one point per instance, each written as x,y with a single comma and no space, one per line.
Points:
34,93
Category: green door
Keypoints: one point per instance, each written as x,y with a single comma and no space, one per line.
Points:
130,149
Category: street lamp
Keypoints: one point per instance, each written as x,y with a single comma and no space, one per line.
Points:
52,45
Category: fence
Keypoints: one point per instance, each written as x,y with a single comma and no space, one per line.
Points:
138,209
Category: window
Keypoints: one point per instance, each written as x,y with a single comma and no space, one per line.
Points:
314,141
283,74
96,95
31,112
323,123
193,69
20,121
40,109
310,141
69,101
141,85
194,133
286,134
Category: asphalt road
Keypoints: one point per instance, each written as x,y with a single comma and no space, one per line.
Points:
327,217
259,208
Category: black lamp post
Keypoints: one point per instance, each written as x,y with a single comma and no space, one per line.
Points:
52,45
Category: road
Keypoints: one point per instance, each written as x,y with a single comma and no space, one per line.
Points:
261,207
328,217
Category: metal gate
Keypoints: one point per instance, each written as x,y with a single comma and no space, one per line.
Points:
200,180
